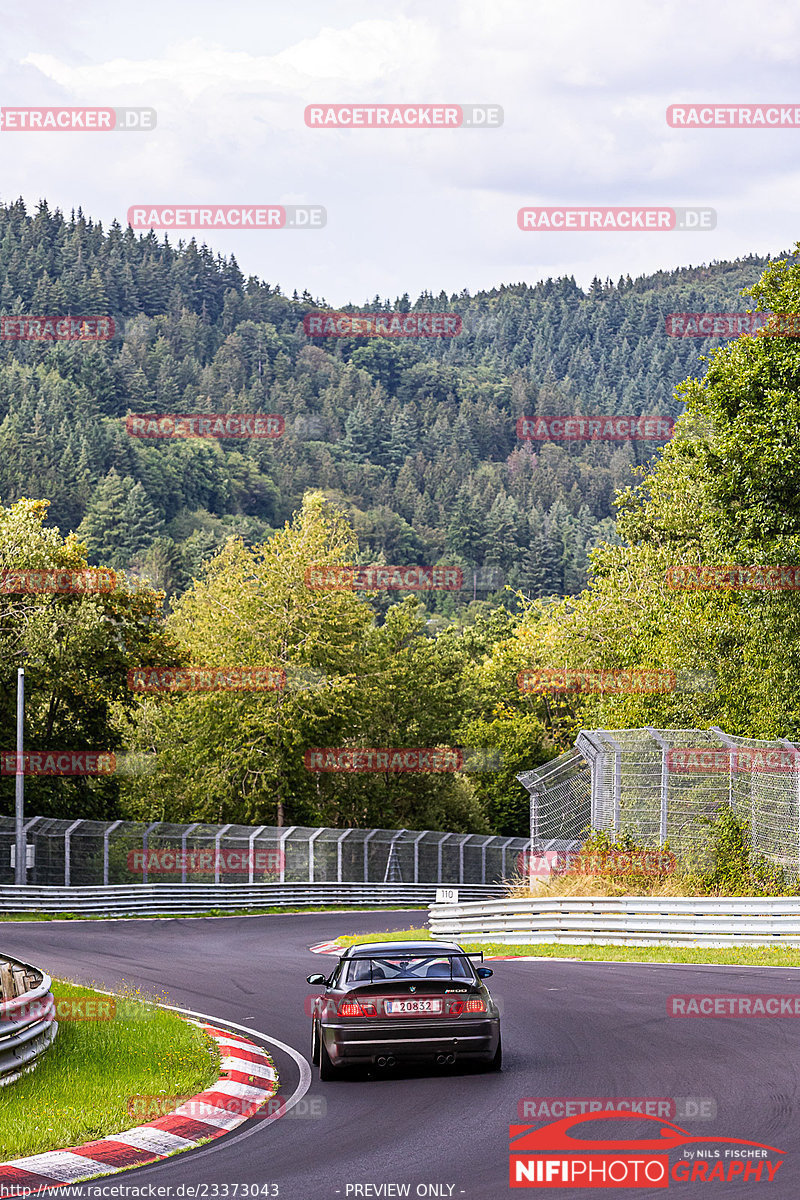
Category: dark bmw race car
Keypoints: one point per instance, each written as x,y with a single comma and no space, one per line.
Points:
386,1002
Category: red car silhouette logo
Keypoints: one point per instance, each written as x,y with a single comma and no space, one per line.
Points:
558,1136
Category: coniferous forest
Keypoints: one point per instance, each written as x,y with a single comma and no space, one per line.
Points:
416,438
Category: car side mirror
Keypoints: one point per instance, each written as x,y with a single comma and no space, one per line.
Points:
316,979
484,972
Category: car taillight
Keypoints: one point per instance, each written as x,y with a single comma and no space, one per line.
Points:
455,1007
352,1008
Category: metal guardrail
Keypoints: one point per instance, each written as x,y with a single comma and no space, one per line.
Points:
624,920
27,1018
137,898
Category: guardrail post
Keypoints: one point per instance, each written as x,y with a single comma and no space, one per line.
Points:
250,841
21,856
461,846
664,781
483,858
441,841
386,878
107,833
282,850
617,796
417,841
145,839
184,837
217,840
311,841
796,774
367,839
731,745
67,836
506,844
339,841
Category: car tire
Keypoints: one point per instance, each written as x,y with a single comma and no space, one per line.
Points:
496,1063
315,1043
327,1070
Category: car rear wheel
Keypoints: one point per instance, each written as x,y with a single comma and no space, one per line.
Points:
496,1063
326,1068
315,1043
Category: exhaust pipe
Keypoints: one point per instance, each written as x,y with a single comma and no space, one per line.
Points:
382,1061
451,1058
441,1059
391,1060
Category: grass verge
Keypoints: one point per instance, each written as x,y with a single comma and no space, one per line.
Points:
734,956
211,912
81,1088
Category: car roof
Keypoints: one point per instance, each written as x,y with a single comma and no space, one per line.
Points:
399,949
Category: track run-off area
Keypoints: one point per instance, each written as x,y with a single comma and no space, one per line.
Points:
570,1030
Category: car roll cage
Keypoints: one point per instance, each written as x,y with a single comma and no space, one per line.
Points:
412,974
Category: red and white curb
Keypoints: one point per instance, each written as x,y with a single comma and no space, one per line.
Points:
246,1073
327,948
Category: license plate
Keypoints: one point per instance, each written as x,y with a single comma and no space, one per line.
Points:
399,1008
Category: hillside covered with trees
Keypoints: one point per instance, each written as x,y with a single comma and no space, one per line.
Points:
416,439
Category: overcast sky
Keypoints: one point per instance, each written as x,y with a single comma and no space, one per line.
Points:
584,86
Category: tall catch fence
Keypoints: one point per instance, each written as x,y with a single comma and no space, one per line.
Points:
84,853
665,785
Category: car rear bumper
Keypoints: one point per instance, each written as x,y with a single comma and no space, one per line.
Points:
354,1043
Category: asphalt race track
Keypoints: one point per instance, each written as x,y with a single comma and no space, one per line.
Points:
570,1029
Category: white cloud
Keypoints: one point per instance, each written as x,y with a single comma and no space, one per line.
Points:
584,87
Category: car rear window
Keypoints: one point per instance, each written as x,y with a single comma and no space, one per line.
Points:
373,970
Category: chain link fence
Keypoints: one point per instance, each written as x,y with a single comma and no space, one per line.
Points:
87,853
663,784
